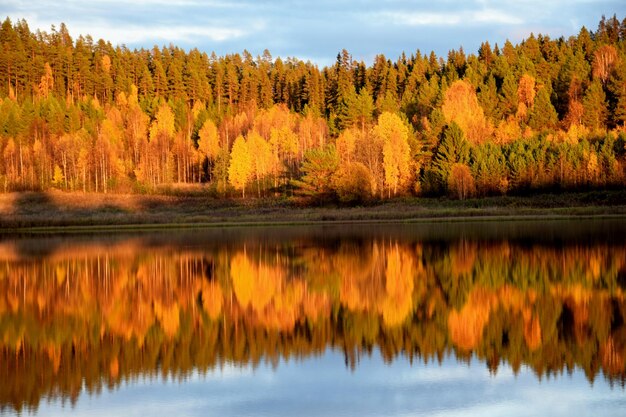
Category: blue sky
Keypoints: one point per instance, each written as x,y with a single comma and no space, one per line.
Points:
314,29
323,386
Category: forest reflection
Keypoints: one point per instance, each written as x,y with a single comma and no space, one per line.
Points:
89,315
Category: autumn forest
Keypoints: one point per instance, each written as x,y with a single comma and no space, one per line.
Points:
81,115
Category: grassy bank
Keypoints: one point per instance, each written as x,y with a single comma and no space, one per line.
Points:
20,211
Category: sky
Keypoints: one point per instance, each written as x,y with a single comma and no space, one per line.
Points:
324,386
314,30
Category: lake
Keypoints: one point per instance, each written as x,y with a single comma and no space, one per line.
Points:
441,319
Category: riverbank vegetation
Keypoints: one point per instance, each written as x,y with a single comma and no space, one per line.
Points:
84,115
86,212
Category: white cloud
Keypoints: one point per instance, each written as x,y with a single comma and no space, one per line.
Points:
119,34
422,19
171,33
495,16
484,16
94,3
100,19
174,3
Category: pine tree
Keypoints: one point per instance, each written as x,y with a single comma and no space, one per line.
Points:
508,96
318,168
453,149
543,115
594,106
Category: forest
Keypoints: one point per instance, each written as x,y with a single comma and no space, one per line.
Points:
90,315
86,116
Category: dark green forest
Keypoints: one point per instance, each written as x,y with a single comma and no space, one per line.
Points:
83,115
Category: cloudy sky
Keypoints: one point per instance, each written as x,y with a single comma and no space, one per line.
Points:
313,29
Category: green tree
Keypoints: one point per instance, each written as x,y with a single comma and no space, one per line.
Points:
594,106
318,168
508,96
453,149
489,168
543,115
488,99
357,110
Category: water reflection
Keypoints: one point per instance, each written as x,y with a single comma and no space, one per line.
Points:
90,312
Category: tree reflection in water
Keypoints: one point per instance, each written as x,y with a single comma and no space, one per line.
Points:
88,315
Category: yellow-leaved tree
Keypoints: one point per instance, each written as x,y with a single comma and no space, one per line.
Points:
396,151
58,179
240,169
209,141
398,302
262,159
156,166
345,145
136,123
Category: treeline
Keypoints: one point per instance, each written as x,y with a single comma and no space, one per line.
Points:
88,116
94,314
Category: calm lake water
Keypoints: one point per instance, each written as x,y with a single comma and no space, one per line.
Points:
447,319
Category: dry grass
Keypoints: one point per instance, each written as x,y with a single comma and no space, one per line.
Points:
61,209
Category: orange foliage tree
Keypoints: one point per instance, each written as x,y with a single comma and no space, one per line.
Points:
460,105
461,182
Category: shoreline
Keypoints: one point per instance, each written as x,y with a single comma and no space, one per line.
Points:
59,212
155,227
